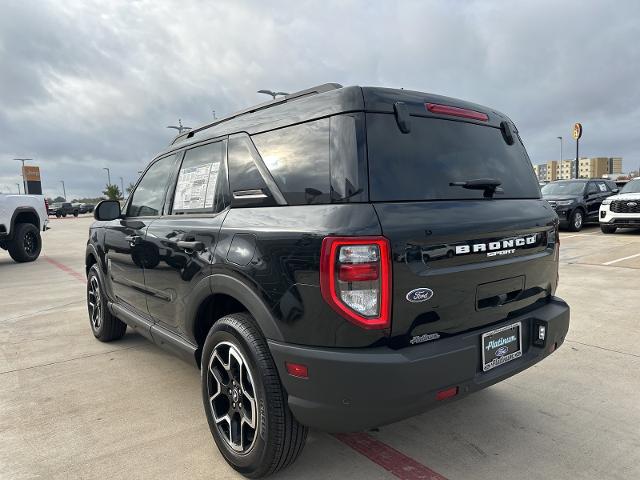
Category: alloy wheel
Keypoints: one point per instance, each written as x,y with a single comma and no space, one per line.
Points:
30,242
95,303
232,397
577,220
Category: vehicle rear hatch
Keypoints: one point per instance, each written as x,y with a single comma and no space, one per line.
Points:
483,256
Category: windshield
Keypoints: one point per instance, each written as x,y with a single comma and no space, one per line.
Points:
563,188
632,187
422,164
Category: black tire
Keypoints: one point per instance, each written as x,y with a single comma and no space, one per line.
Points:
64,215
576,221
278,438
75,213
104,325
26,243
58,215
608,229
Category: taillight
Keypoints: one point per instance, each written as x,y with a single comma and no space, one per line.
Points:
456,112
355,279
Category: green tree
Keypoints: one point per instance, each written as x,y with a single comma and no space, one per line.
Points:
112,192
59,199
130,188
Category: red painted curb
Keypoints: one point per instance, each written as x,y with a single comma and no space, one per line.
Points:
395,462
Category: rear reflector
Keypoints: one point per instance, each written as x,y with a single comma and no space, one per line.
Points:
297,370
456,112
361,272
448,393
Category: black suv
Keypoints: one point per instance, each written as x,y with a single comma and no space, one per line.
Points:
63,209
340,258
578,201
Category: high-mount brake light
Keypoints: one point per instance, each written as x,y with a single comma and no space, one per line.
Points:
355,279
456,112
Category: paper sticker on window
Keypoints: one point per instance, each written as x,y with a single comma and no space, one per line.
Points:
211,189
602,187
191,190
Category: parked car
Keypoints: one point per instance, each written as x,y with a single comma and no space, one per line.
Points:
22,218
63,209
622,210
288,251
86,207
578,201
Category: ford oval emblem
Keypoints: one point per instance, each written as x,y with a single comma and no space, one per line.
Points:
502,351
419,295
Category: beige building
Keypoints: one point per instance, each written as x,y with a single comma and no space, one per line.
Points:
594,167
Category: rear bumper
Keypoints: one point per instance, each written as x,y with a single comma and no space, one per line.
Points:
355,389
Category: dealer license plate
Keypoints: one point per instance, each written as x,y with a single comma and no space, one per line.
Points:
501,346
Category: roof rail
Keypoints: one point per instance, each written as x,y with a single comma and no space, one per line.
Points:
325,87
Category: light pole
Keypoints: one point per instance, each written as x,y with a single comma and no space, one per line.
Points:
24,183
180,127
272,93
108,176
64,190
19,192
214,114
122,186
560,138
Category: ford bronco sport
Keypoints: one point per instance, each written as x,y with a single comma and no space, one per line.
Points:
340,258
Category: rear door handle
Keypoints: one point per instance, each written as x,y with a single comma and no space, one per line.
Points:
193,246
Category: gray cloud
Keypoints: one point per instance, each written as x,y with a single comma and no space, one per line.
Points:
86,85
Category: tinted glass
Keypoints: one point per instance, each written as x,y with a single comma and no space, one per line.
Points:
563,188
148,197
198,179
592,188
632,187
348,165
420,165
298,159
243,171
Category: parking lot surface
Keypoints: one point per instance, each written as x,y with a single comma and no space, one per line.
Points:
72,407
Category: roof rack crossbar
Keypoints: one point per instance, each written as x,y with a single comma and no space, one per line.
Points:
325,87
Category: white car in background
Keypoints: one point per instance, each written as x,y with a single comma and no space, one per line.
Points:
22,218
621,210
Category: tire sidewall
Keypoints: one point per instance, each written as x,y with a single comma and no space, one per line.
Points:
572,221
249,462
18,251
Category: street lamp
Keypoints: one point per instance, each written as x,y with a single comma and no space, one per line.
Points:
19,192
272,93
560,138
24,183
108,175
64,190
180,127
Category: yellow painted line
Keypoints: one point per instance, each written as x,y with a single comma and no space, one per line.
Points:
621,259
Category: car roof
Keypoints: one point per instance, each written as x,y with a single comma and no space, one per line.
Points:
323,101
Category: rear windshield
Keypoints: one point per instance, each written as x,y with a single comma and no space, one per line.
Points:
420,165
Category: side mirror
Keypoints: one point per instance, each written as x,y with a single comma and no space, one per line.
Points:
107,210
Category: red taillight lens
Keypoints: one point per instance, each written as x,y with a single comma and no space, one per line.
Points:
456,112
355,279
448,393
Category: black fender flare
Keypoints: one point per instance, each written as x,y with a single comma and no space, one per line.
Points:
18,211
220,283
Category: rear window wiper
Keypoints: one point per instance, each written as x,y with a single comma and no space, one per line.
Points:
489,185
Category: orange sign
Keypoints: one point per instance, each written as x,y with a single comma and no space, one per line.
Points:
577,131
31,174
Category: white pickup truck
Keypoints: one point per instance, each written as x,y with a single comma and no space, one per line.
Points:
22,218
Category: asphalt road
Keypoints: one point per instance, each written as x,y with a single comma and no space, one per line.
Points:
72,407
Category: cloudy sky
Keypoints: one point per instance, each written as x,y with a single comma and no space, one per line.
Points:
86,85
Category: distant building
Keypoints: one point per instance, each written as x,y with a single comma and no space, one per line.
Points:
593,167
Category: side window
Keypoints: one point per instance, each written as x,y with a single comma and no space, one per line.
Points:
199,179
298,159
348,144
245,179
602,187
591,188
148,197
